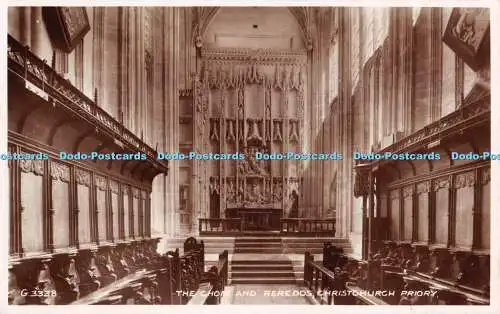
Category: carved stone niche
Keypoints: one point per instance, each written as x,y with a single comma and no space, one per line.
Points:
30,279
65,277
87,272
441,260
105,265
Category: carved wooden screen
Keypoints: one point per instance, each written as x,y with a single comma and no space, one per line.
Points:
60,174
101,206
32,208
126,211
83,205
115,209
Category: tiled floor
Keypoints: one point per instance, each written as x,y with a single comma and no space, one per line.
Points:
266,294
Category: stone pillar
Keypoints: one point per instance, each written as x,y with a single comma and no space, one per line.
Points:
171,102
25,25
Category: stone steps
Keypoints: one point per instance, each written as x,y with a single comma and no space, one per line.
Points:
266,281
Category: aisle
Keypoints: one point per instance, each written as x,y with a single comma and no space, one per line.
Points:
241,294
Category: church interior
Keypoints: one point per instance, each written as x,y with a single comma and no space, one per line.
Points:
97,94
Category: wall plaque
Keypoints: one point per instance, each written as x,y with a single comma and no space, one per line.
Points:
468,33
66,26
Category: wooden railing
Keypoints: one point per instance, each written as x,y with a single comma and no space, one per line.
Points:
332,287
26,65
288,226
219,225
392,270
304,226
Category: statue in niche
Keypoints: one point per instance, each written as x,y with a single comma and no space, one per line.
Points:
277,191
241,193
277,132
294,137
251,165
294,210
214,132
230,131
254,131
254,194
231,195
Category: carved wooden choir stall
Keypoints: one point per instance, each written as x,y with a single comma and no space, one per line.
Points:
81,229
426,222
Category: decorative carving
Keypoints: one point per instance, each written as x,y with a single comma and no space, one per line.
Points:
230,190
440,261
463,180
32,275
120,266
214,185
250,165
394,194
230,131
486,176
423,187
59,171
361,181
105,266
136,193
64,275
441,183
408,191
263,56
35,166
87,272
254,130
100,182
277,191
468,267
294,131
82,177
214,130
277,131
113,185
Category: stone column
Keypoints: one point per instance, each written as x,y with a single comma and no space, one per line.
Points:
25,25
171,101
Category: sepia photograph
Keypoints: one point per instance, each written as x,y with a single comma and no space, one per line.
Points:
248,155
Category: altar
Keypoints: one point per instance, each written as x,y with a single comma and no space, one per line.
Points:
256,219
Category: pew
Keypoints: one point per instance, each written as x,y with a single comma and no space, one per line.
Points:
129,272
339,279
212,284
415,274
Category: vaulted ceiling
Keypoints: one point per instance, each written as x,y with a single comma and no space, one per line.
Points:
309,20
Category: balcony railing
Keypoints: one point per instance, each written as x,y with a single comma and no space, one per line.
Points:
26,65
